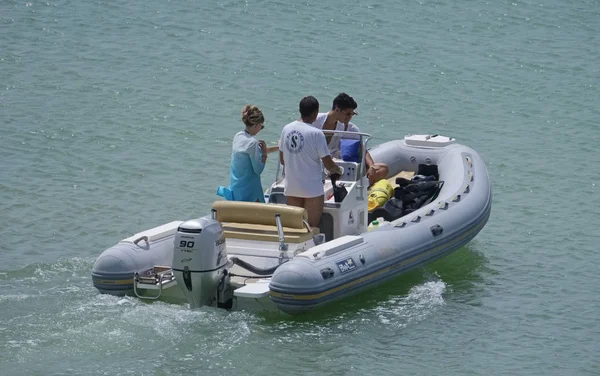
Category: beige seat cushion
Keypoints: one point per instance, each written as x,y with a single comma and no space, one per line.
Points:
259,213
256,221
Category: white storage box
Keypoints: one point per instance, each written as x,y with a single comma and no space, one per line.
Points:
428,141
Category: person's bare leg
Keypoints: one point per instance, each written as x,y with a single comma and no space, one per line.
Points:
314,207
295,201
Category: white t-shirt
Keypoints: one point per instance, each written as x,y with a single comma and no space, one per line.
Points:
334,142
303,146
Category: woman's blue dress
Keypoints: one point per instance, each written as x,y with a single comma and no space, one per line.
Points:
245,170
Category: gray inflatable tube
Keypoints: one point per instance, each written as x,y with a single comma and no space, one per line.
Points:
459,212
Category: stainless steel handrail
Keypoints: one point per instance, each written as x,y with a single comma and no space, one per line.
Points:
282,245
159,279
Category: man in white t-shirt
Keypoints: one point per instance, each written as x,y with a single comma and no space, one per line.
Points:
338,119
302,148
344,107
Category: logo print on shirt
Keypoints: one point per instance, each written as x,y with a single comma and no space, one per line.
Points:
294,142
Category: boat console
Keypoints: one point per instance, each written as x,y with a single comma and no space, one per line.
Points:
347,216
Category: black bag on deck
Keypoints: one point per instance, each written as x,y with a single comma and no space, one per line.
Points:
413,190
339,191
392,209
417,194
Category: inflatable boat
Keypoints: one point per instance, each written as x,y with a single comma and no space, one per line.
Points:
265,256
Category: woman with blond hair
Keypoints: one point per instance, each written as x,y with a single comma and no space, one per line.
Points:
248,157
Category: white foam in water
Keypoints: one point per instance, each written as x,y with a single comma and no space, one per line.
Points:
13,297
421,301
116,323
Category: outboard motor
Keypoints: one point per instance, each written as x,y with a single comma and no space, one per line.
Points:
199,260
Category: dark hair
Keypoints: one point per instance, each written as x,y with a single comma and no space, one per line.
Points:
344,101
308,106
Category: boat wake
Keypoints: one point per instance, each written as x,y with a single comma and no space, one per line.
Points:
421,302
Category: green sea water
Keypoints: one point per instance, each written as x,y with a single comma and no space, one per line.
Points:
116,117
